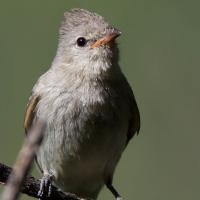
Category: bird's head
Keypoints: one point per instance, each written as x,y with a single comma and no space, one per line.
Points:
87,39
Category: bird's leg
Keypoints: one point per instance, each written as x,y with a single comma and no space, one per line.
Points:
114,191
45,185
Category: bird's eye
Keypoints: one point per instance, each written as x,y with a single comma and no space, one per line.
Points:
81,42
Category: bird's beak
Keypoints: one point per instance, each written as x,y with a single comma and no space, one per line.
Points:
109,38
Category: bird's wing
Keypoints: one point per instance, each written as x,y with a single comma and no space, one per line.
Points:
30,116
30,111
134,122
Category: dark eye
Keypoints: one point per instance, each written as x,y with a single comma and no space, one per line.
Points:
81,42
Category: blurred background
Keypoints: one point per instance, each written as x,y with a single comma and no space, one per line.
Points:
160,55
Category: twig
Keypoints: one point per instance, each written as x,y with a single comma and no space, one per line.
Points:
31,186
24,161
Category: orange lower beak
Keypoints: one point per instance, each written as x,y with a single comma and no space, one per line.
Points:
106,39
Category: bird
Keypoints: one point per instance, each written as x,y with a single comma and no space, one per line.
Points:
87,105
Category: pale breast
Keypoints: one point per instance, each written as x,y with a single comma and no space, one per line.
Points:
85,136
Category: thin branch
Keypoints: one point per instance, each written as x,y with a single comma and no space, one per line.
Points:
24,161
31,186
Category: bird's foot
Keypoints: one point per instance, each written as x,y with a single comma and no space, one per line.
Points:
114,191
45,185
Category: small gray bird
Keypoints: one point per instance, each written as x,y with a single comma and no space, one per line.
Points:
88,107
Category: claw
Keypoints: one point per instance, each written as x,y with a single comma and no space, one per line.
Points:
45,186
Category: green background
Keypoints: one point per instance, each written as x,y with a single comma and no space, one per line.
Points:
160,55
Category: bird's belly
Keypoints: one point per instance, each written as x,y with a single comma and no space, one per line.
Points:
86,171
82,148
81,163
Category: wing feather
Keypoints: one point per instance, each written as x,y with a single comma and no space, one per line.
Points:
30,111
134,121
